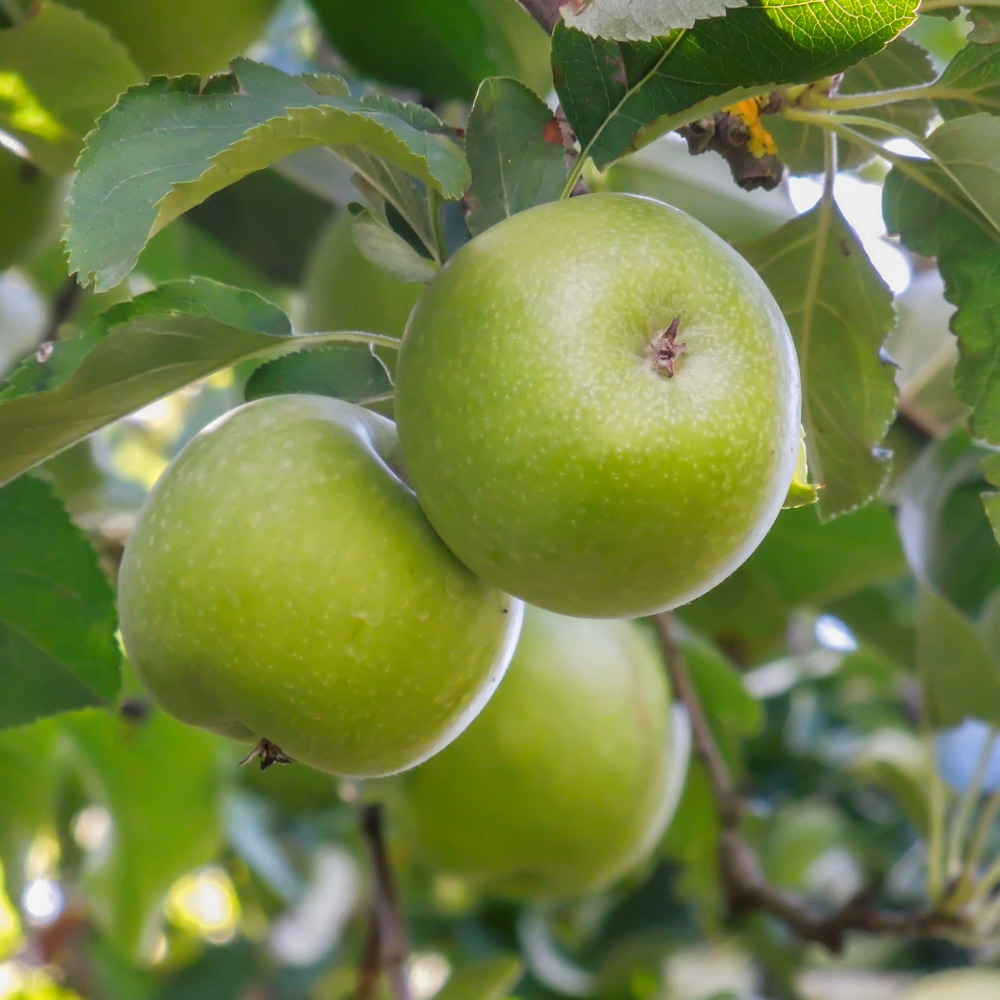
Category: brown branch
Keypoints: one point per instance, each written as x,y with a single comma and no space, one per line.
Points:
386,945
64,305
746,888
545,12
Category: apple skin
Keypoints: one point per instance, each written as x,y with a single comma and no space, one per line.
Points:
561,785
283,583
181,36
546,450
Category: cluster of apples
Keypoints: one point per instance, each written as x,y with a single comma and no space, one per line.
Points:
598,413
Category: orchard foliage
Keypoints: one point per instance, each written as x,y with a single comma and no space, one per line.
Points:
204,204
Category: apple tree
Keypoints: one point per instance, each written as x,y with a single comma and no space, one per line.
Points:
499,499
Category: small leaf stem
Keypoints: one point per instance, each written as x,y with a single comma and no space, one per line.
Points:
437,228
340,337
966,807
936,820
978,842
817,100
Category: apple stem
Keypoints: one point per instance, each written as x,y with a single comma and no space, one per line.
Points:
267,753
386,942
666,350
744,884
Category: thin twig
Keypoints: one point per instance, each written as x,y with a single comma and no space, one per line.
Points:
390,939
64,305
745,886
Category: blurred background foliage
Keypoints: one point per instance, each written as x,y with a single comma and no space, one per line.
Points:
140,863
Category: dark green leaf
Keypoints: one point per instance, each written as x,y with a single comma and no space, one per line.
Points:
166,146
442,48
57,614
985,25
491,979
618,96
267,221
960,679
159,780
839,311
970,82
945,532
900,64
59,72
351,373
133,354
515,153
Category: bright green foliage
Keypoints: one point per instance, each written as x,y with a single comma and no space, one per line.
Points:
255,640
59,72
560,786
619,95
590,483
57,616
146,774
232,125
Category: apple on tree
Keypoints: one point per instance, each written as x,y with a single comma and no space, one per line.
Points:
562,784
282,585
598,404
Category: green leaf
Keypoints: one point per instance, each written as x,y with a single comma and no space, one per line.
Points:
352,373
515,153
159,780
620,95
133,354
839,311
895,760
381,246
442,48
801,493
166,146
943,526
900,64
970,82
57,614
960,680
985,25
491,979
642,20
967,249
58,72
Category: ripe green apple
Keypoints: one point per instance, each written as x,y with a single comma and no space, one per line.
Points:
283,584
958,984
181,36
28,203
562,783
598,402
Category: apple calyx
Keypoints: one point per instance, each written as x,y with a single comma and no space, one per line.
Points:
666,350
268,753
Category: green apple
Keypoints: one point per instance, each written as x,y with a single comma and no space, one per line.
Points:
345,291
598,402
562,783
28,203
282,584
181,36
958,984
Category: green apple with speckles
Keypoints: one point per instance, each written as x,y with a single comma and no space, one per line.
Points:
598,403
282,584
181,36
563,782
